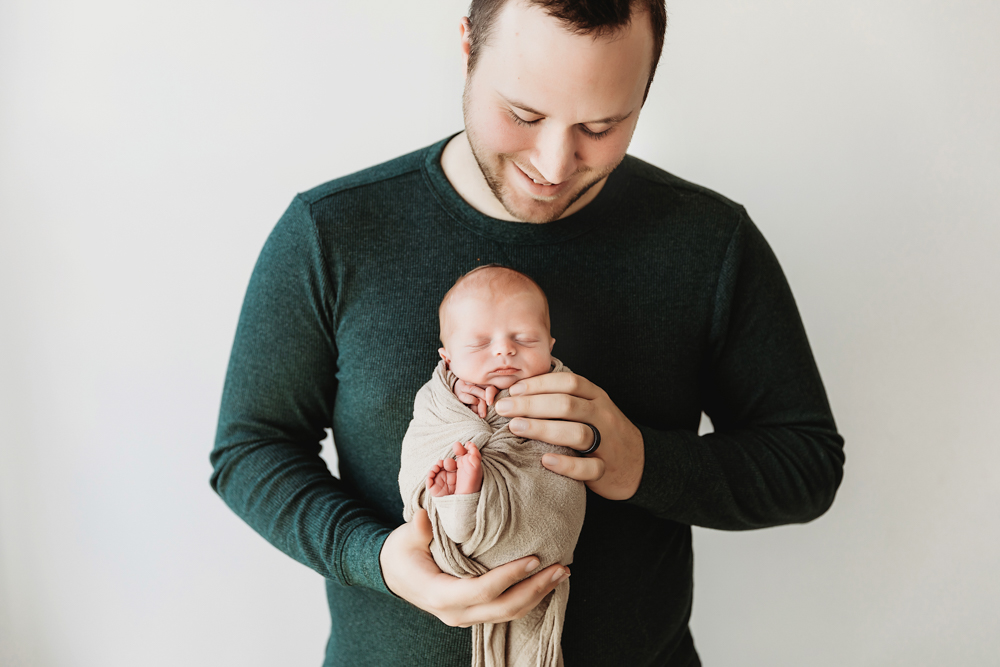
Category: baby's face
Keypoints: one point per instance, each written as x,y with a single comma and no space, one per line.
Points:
497,341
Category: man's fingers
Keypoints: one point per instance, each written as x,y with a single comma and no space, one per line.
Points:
497,596
557,383
582,468
490,585
494,597
548,406
562,433
519,599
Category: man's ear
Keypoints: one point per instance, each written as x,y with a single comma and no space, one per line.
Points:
463,27
444,355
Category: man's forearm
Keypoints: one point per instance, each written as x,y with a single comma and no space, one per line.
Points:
287,494
749,478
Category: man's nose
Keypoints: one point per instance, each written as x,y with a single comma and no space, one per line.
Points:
555,154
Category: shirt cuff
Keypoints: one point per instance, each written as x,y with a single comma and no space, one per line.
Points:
360,558
666,469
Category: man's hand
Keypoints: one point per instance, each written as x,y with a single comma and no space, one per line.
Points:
410,572
556,408
478,397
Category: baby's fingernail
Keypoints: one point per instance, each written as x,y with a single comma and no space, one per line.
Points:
531,565
518,425
504,404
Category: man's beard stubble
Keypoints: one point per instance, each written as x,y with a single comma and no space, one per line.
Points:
500,189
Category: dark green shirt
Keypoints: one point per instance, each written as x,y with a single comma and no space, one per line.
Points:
661,292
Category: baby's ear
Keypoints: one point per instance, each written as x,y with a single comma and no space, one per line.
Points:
444,355
551,344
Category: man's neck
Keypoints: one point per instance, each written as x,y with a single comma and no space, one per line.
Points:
463,172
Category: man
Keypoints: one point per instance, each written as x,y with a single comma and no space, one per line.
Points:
664,297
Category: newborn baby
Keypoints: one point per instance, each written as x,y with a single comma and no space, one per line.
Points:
488,498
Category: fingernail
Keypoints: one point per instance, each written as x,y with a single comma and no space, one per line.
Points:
516,390
518,425
504,404
549,460
531,565
558,575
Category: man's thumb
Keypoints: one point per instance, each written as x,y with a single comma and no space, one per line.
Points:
422,527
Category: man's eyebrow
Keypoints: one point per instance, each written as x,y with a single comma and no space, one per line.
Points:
524,107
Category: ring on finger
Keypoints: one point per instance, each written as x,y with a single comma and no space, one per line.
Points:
597,440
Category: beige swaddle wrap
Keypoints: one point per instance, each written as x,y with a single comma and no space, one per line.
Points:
523,509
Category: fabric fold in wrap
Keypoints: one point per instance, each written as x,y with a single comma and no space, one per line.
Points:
522,509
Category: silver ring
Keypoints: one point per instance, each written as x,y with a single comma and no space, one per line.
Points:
597,440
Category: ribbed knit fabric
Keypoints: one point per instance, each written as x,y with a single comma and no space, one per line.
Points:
661,292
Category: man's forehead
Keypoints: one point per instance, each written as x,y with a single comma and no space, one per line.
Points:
534,59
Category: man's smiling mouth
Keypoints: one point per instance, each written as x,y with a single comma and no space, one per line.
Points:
545,185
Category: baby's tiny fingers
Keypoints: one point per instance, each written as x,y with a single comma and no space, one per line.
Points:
475,390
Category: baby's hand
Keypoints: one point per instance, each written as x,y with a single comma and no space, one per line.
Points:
477,397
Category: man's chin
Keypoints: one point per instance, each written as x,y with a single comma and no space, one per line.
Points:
529,209
535,216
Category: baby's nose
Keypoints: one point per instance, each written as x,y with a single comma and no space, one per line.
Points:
505,347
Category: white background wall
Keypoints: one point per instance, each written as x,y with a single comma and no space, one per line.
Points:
147,148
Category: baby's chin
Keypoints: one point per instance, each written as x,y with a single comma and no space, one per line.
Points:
502,381
498,381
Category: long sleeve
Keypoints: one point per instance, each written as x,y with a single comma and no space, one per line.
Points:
775,456
278,398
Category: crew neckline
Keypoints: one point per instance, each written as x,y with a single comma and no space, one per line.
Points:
522,233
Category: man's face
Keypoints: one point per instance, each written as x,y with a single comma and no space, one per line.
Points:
550,114
497,340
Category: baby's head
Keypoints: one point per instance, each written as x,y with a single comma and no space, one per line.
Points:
495,327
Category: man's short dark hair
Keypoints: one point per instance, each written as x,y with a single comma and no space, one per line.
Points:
581,17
